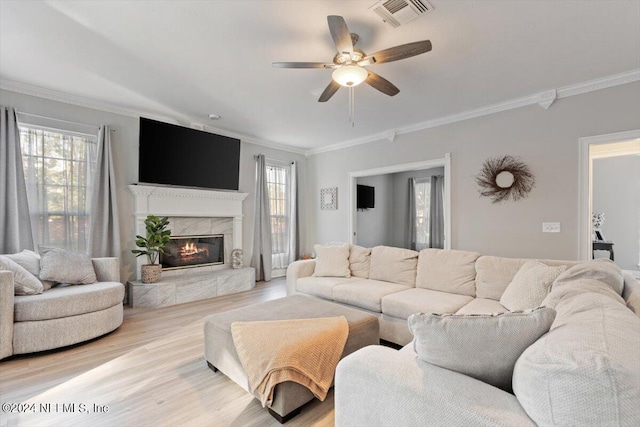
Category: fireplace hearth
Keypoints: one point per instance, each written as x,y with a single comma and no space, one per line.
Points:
193,251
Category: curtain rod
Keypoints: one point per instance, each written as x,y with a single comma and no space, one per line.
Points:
59,120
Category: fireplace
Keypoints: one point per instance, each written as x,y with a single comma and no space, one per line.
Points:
193,251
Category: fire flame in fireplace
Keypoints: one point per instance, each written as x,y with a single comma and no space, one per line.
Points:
191,249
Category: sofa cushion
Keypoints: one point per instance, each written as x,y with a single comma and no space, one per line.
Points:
62,266
365,293
65,301
360,261
404,304
493,274
585,371
321,286
482,306
394,265
530,285
24,283
447,271
482,346
332,261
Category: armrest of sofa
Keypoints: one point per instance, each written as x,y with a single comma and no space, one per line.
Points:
6,314
384,387
107,269
296,270
631,292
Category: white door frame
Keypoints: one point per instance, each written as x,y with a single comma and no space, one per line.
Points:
406,167
585,171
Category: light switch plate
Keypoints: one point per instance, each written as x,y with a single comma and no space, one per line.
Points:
550,227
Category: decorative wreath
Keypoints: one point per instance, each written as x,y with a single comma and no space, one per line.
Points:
487,179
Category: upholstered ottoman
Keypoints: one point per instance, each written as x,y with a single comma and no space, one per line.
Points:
289,397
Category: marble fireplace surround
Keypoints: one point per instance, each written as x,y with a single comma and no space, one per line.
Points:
191,211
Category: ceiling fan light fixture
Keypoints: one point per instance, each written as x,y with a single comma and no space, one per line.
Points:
350,75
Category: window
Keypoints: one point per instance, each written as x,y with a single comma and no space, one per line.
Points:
58,168
423,198
278,186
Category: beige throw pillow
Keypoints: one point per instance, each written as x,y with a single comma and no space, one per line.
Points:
332,261
360,261
24,283
395,265
482,346
530,286
31,262
61,266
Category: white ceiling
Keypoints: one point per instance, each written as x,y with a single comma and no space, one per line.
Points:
184,60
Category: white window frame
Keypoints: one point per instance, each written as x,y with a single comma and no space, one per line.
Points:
277,271
34,125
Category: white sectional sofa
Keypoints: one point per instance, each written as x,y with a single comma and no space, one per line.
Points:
400,282
585,371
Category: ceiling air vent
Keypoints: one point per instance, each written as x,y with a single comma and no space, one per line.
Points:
398,12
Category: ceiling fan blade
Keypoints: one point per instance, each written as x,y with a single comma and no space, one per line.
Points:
329,91
302,65
396,53
340,34
382,84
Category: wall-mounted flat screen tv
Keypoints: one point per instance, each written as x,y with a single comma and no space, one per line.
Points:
365,197
176,155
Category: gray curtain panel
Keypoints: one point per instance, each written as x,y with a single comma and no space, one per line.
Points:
104,231
410,230
15,222
436,213
294,233
261,259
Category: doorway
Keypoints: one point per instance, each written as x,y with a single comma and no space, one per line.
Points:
610,198
359,218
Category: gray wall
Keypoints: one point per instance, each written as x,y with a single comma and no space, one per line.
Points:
546,140
401,202
125,155
616,192
374,226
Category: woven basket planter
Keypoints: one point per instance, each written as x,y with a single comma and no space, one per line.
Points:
151,273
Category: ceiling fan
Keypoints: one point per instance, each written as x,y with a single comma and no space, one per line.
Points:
349,62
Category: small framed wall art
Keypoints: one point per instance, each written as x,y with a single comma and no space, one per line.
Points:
329,199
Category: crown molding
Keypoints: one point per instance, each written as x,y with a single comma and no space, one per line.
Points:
178,119
544,99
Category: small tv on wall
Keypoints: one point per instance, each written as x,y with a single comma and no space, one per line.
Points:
180,156
365,197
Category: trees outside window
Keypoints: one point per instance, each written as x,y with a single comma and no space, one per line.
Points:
59,168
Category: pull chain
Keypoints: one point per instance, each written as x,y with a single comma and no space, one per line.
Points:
352,106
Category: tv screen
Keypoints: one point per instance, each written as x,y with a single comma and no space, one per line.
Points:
365,197
175,155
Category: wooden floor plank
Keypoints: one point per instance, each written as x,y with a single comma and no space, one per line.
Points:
149,372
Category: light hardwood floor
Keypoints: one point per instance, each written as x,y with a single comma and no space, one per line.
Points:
149,372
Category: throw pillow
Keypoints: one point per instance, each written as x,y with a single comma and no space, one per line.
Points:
530,286
31,262
24,283
360,261
332,261
61,266
482,346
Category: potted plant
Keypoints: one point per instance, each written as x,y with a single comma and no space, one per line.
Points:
152,245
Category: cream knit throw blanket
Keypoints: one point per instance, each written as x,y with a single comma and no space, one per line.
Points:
305,351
